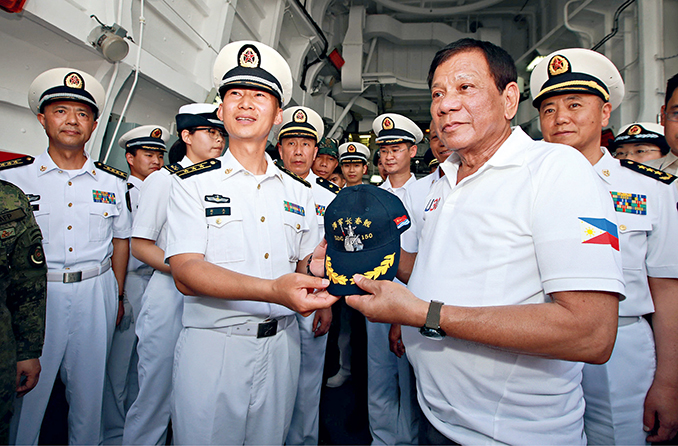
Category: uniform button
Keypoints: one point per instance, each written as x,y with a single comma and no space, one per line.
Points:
70,205
218,221
105,214
61,171
266,256
263,219
258,186
622,227
70,183
70,249
70,227
298,226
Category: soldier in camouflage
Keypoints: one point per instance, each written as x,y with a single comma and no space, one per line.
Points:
22,300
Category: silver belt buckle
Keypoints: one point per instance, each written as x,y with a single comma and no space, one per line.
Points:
75,276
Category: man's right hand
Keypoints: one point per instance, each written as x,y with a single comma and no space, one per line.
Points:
295,291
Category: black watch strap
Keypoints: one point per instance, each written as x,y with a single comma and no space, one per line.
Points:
433,315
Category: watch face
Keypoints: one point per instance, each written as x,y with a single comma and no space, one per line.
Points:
432,333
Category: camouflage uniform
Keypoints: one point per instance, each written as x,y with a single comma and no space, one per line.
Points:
22,293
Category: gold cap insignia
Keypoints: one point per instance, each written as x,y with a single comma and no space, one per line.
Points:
74,80
558,65
351,148
156,133
387,124
300,116
248,57
634,130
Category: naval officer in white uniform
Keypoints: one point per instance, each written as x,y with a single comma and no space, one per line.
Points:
145,147
633,393
298,138
239,228
80,207
201,137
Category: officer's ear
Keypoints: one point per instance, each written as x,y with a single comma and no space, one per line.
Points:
186,136
41,118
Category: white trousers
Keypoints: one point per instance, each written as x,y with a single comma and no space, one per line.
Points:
391,397
122,383
233,389
78,329
615,391
305,425
157,327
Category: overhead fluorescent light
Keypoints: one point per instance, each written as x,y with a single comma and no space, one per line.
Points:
534,63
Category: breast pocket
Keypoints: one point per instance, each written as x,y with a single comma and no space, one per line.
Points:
42,218
633,239
295,227
101,221
225,238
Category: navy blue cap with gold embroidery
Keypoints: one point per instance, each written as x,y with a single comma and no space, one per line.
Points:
250,64
362,228
65,84
301,122
576,70
392,128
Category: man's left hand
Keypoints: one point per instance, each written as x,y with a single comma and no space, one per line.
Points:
30,368
322,321
121,313
661,412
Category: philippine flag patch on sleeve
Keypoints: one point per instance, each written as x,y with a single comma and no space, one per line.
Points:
599,231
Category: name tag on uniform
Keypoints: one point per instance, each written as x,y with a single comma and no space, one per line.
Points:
630,203
100,196
211,212
294,208
13,215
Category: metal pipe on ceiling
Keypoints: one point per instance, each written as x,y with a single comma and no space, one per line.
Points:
439,12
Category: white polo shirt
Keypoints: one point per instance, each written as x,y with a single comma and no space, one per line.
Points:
648,228
150,221
259,225
79,211
416,202
509,234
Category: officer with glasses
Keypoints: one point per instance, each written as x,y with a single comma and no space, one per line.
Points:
640,142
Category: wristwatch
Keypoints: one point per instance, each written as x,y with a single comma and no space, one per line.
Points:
431,328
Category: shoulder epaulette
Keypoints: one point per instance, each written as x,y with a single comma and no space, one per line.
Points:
173,168
648,171
17,162
197,168
279,165
112,170
330,186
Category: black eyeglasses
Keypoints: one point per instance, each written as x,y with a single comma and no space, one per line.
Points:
213,132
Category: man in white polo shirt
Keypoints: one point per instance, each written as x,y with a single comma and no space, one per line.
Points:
522,274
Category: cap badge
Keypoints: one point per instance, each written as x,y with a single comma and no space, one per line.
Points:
300,116
351,148
74,80
248,57
634,130
387,124
156,133
558,65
